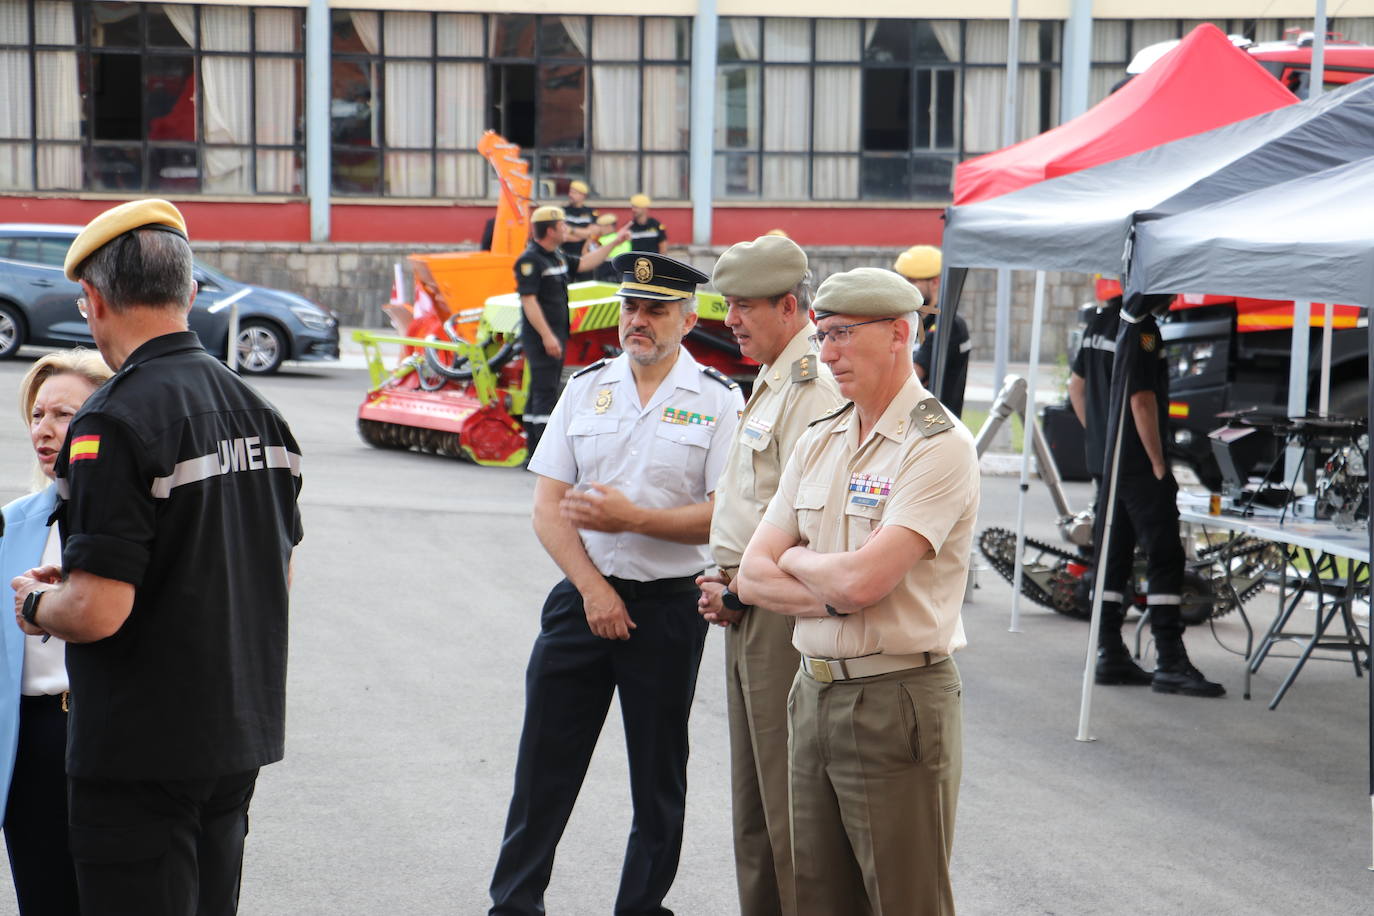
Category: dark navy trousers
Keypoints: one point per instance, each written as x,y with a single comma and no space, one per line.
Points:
571,677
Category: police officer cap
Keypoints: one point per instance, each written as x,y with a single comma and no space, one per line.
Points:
547,215
110,225
867,291
768,266
645,275
919,262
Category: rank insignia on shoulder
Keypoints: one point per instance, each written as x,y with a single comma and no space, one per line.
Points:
716,374
832,415
592,368
526,268
804,369
929,418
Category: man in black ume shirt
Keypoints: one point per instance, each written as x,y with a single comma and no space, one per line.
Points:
178,519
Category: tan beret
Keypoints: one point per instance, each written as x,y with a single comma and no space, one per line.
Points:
606,219
867,291
641,201
579,186
768,266
919,262
547,215
113,223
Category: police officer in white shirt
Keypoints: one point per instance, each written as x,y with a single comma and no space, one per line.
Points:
627,468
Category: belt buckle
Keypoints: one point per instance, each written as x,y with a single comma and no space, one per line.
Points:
820,670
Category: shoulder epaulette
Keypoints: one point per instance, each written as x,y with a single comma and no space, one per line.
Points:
929,418
832,415
805,369
713,373
592,368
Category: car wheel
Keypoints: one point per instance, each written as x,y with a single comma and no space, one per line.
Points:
11,330
261,348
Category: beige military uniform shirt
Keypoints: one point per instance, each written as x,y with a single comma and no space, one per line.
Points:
918,468
787,396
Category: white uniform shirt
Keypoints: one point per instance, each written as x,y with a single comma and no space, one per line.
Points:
45,663
666,454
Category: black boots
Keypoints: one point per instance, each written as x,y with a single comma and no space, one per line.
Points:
1115,666
1176,674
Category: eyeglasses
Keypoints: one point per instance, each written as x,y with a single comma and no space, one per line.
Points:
840,334
81,305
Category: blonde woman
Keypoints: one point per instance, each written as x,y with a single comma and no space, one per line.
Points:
33,693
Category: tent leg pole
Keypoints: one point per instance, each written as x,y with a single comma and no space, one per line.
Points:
1027,441
1085,708
1001,342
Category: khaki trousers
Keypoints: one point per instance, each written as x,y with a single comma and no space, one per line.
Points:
875,765
759,666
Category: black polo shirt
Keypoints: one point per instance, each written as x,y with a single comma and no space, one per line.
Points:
577,217
182,481
647,235
957,370
1093,363
1149,372
545,275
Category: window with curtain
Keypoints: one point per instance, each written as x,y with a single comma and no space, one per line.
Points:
149,97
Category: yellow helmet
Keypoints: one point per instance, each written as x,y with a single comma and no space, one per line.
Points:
920,262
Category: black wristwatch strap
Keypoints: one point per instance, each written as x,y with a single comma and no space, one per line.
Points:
731,601
831,610
30,609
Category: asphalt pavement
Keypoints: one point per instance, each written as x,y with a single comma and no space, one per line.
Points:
417,596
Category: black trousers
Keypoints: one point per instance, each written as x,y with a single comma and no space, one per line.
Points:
568,686
546,383
1146,513
36,812
172,848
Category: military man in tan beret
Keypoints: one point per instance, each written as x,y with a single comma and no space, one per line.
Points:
866,543
767,287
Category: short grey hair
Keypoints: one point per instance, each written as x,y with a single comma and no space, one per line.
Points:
802,292
142,267
913,321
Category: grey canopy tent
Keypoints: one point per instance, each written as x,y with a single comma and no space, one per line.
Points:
1308,238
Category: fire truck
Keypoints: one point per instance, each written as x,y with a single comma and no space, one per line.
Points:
1229,354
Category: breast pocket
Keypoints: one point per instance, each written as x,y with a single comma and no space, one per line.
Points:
679,455
764,465
808,504
860,519
593,442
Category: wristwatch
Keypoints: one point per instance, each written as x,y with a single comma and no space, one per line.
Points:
834,611
731,601
30,610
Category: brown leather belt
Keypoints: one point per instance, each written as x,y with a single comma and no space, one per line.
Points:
828,670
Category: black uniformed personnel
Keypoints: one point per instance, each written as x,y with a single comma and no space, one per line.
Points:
542,274
178,520
581,220
646,233
920,264
1146,503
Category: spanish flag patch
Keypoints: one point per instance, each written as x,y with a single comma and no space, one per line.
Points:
85,447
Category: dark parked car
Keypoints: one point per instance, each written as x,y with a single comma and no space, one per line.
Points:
38,306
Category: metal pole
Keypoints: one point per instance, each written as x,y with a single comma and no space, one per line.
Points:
1078,55
1027,438
317,139
1001,341
1324,394
704,29
1297,379
1317,77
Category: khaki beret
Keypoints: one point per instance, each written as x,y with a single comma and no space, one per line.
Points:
579,186
642,201
110,225
919,262
867,291
768,266
547,215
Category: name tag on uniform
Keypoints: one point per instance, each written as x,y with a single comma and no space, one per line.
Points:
684,417
757,427
869,489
